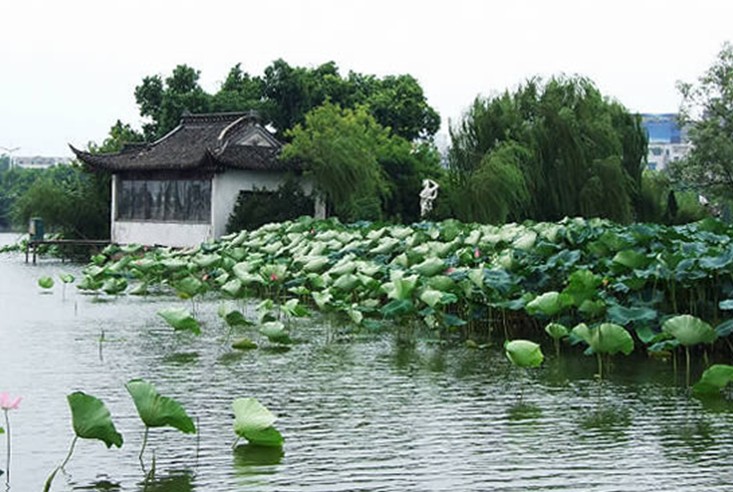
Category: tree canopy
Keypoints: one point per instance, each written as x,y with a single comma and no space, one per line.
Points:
549,150
707,114
284,94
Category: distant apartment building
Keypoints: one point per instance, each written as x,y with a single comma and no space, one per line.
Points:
667,141
38,162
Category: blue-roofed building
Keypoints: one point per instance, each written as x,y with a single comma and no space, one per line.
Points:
667,141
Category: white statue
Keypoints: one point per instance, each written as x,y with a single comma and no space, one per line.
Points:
427,196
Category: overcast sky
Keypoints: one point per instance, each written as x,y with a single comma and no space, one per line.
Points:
68,68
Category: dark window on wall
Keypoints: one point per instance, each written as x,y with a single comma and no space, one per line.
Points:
161,200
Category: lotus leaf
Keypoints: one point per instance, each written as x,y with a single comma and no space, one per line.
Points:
549,303
244,344
726,305
714,379
397,308
592,309
294,308
556,330
526,241
523,353
91,419
431,297
430,267
232,287
188,287
607,338
156,410
400,287
275,332
386,245
114,285
631,259
441,282
66,278
140,289
45,282
689,330
725,328
347,282
272,248
180,319
355,314
253,422
582,285
316,264
624,316
322,299
232,316
174,264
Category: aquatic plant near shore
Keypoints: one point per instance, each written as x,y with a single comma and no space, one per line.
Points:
45,283
180,319
606,338
688,331
713,380
90,420
156,410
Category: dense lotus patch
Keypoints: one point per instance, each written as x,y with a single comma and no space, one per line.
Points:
451,276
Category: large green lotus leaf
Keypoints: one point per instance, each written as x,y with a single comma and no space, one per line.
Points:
347,282
45,282
180,319
397,307
293,308
689,330
316,264
232,316
631,259
476,276
145,264
400,287
592,309
549,303
207,260
188,286
714,379
272,248
275,332
430,267
525,241
624,316
345,265
556,330
156,410
254,422
385,246
91,419
524,353
431,297
232,287
114,285
441,282
174,264
607,338
582,286
322,299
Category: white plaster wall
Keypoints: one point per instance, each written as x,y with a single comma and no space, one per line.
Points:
226,186
177,234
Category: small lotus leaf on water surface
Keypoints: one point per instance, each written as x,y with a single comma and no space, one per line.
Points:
45,282
91,419
254,422
156,410
275,331
180,319
523,353
689,330
556,330
67,278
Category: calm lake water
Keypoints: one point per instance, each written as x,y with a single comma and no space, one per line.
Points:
357,413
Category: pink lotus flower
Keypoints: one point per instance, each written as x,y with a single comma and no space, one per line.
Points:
6,403
273,277
449,270
476,253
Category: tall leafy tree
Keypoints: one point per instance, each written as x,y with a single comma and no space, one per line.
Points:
570,151
707,111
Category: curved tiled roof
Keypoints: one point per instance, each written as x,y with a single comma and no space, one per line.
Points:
201,141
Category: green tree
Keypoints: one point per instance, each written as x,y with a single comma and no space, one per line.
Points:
570,152
707,113
340,149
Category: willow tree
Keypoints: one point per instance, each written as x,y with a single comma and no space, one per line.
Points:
340,149
583,154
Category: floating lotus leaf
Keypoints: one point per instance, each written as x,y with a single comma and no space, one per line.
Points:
244,344
180,319
714,379
91,419
45,282
523,353
156,410
607,338
253,422
689,330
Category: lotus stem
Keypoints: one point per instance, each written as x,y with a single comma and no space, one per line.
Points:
687,366
7,440
68,455
142,449
600,366
49,480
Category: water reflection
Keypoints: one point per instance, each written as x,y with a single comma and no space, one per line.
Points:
177,481
524,411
